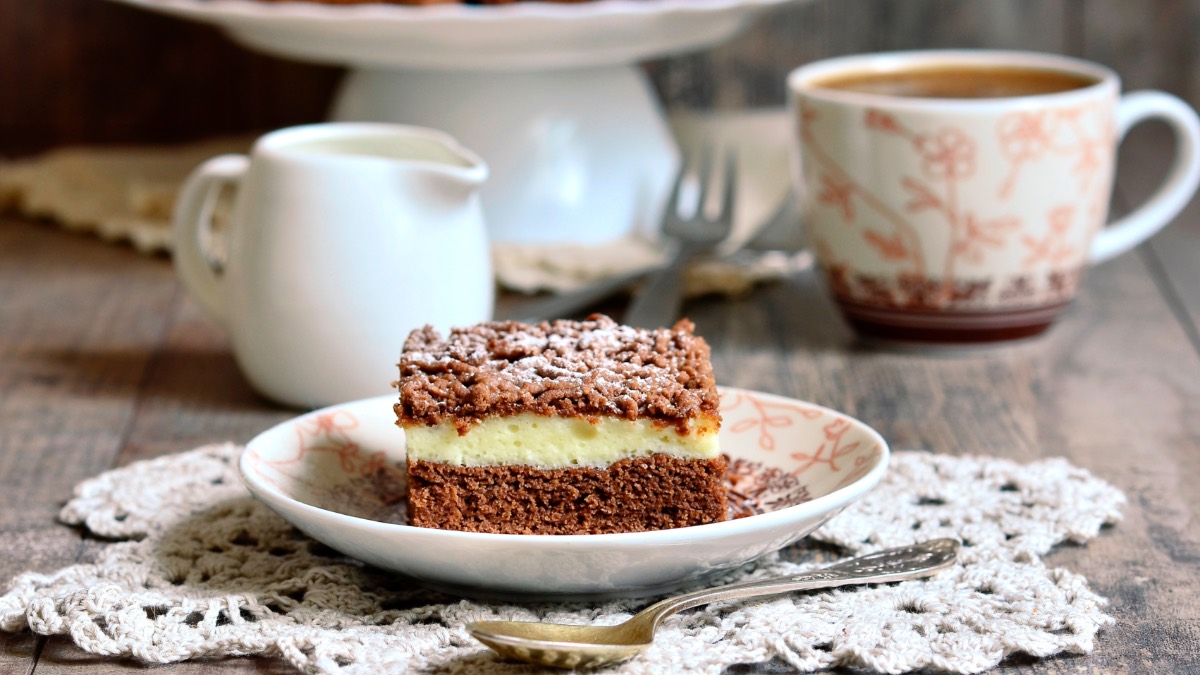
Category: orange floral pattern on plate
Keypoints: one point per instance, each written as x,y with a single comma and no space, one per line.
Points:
783,453
772,487
328,433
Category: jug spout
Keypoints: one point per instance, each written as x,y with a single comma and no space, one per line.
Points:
456,183
420,168
442,167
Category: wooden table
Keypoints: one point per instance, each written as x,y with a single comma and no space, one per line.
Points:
104,360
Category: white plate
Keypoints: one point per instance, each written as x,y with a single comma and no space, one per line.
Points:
522,35
337,474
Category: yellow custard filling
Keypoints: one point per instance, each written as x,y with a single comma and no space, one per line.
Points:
559,442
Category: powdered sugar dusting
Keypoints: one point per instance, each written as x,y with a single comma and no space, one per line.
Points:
589,368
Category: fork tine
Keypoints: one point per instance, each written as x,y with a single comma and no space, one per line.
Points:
677,188
658,301
704,180
729,189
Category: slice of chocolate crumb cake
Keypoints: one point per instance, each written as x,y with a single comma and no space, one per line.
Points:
569,427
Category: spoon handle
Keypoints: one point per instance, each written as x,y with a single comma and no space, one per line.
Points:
894,564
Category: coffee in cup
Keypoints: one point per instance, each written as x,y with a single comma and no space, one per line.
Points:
959,196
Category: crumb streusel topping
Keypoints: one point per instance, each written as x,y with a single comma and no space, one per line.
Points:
589,368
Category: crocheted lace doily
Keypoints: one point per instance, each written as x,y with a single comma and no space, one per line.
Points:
203,570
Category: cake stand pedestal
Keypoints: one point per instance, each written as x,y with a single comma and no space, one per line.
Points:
581,155
546,93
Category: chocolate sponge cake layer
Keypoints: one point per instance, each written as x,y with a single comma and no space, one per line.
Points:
631,495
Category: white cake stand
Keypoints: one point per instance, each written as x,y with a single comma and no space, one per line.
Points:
545,93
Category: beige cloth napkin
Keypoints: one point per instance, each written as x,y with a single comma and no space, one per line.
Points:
126,194
121,193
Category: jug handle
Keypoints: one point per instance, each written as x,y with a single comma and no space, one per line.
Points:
191,231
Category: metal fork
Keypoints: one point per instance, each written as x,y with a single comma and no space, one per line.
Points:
658,302
780,233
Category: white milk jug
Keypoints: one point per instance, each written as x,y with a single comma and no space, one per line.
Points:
342,239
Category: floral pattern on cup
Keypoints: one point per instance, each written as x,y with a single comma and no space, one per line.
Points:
943,166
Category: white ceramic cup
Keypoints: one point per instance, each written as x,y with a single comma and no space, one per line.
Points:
967,220
343,238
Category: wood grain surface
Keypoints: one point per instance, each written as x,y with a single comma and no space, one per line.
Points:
104,360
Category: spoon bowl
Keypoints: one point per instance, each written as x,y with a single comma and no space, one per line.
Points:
568,646
563,646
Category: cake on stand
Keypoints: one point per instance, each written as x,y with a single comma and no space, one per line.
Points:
548,94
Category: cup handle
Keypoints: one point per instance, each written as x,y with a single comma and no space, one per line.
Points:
1175,192
191,231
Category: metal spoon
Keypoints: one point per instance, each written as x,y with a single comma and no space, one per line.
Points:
564,646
